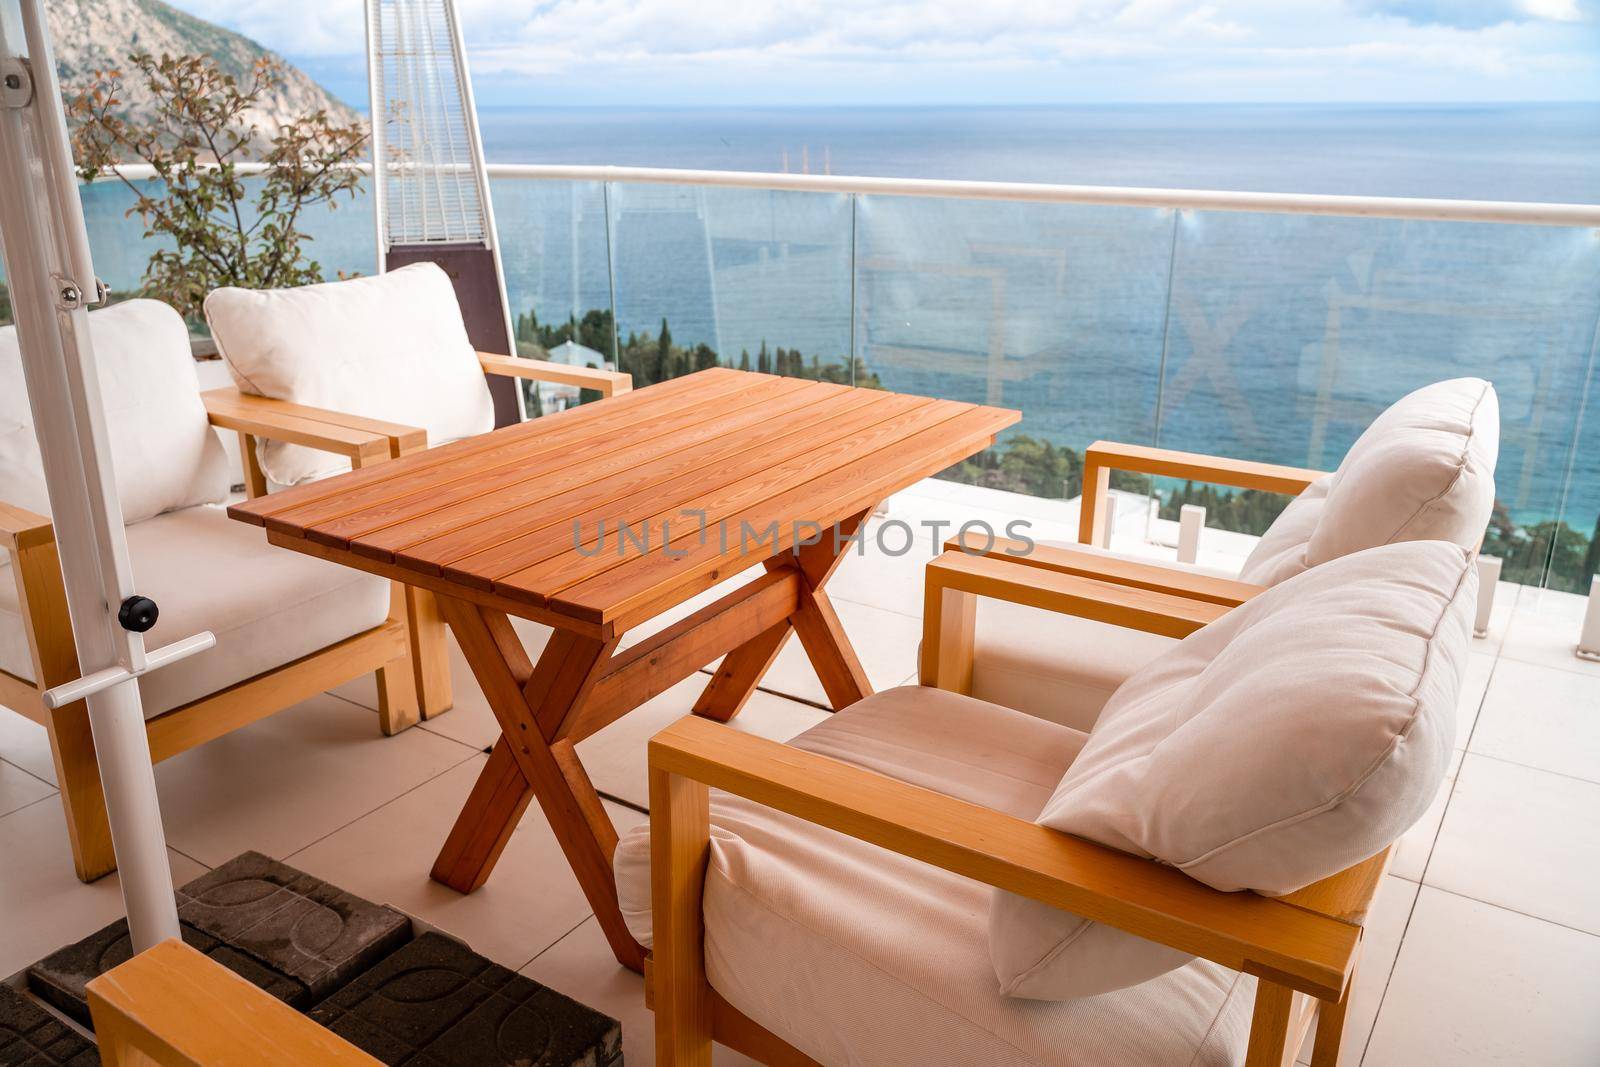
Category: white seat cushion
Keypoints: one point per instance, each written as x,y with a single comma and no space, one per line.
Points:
1423,471
266,605
856,955
163,448
392,347
1300,734
1059,667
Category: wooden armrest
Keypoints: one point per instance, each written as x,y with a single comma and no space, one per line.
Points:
956,579
1103,457
362,439
1139,574
609,383
172,1006
1292,945
22,529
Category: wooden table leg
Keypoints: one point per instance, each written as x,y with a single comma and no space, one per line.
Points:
823,636
814,619
736,677
531,703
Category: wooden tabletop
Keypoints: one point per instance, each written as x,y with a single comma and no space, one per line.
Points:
493,518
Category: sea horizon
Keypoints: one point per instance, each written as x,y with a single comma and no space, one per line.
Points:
1534,151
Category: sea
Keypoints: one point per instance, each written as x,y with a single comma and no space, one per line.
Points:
1271,336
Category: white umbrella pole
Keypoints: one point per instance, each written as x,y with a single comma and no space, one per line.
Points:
52,283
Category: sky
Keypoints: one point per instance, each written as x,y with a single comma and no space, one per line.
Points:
910,52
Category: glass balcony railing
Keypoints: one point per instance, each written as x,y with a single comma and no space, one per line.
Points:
1273,336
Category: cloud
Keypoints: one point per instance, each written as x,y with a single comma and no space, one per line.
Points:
900,51
1472,14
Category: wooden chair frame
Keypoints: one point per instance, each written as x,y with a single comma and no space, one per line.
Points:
170,1006
386,649
1144,596
1103,457
1303,948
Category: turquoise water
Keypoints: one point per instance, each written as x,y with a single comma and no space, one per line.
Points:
1267,336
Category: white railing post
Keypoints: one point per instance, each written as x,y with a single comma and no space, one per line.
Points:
1589,638
1191,520
1488,582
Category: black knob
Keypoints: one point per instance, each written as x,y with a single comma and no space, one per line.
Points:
138,614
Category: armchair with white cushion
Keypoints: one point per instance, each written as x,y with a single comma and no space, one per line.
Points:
386,354
1016,624
287,626
930,878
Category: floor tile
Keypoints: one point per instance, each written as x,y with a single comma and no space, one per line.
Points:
581,966
529,902
1542,717
281,783
18,788
43,904
1524,839
893,582
1480,667
1476,984
25,743
1411,852
617,757
1544,629
1386,924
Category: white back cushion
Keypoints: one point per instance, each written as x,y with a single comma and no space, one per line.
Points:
1423,471
1300,734
164,451
388,347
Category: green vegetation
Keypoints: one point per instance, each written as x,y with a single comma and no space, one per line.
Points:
5,305
656,357
216,234
1247,511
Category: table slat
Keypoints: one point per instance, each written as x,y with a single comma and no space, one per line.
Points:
450,498
544,581
576,419
649,583
665,501
724,457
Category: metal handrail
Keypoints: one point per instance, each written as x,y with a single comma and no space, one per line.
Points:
1389,207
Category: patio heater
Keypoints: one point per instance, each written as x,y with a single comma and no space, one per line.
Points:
430,188
52,282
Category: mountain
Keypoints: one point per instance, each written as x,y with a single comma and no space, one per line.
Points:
91,35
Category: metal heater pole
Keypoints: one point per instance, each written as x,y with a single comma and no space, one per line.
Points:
52,283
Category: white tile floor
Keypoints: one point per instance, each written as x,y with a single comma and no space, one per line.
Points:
1484,946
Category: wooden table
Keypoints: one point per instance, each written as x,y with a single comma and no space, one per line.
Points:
720,470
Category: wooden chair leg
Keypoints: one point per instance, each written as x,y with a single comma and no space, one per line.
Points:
78,773
399,702
430,652
680,828
398,708
1270,1025
1333,1019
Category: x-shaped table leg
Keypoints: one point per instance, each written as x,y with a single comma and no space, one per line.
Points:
826,644
528,761
581,683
